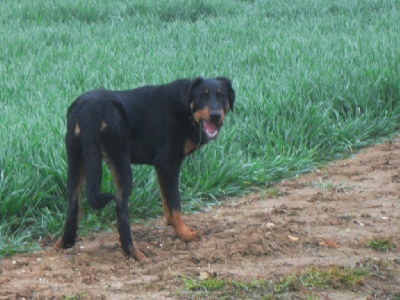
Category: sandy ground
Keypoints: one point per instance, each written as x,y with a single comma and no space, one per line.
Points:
319,219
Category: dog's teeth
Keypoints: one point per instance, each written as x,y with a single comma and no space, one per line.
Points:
213,134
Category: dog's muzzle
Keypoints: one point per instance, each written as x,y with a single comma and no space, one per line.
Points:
211,129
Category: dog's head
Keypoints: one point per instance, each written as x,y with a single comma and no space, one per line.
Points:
209,101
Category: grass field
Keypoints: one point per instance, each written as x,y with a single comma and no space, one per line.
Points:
315,80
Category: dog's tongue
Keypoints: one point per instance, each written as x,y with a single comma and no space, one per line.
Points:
210,129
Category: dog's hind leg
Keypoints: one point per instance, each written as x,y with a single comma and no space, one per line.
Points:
74,185
168,179
115,142
119,163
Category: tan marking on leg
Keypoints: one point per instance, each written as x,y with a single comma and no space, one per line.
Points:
59,244
174,218
189,147
182,231
77,129
136,253
118,194
163,199
133,250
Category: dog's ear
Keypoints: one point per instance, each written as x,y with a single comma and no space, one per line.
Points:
231,91
187,91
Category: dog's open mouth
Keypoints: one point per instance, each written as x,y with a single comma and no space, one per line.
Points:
210,129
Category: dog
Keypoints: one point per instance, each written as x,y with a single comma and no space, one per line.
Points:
156,125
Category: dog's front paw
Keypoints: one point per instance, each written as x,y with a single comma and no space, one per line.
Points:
66,242
59,244
62,244
139,256
182,231
133,252
188,235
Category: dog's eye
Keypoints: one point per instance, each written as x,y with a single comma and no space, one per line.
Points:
221,95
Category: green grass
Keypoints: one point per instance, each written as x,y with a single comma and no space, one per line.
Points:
306,283
315,80
381,244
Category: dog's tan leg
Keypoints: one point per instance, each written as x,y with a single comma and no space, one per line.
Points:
174,216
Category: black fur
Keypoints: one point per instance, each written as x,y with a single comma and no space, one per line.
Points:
154,125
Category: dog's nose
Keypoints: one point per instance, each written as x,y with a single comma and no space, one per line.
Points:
215,115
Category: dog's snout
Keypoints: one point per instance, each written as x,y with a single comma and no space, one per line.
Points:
215,115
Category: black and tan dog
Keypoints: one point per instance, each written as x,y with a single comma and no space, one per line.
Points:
154,125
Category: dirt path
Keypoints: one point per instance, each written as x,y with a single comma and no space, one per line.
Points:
322,218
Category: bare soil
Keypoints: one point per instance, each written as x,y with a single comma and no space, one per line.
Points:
323,218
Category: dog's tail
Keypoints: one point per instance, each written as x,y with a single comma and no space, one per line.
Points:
92,160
